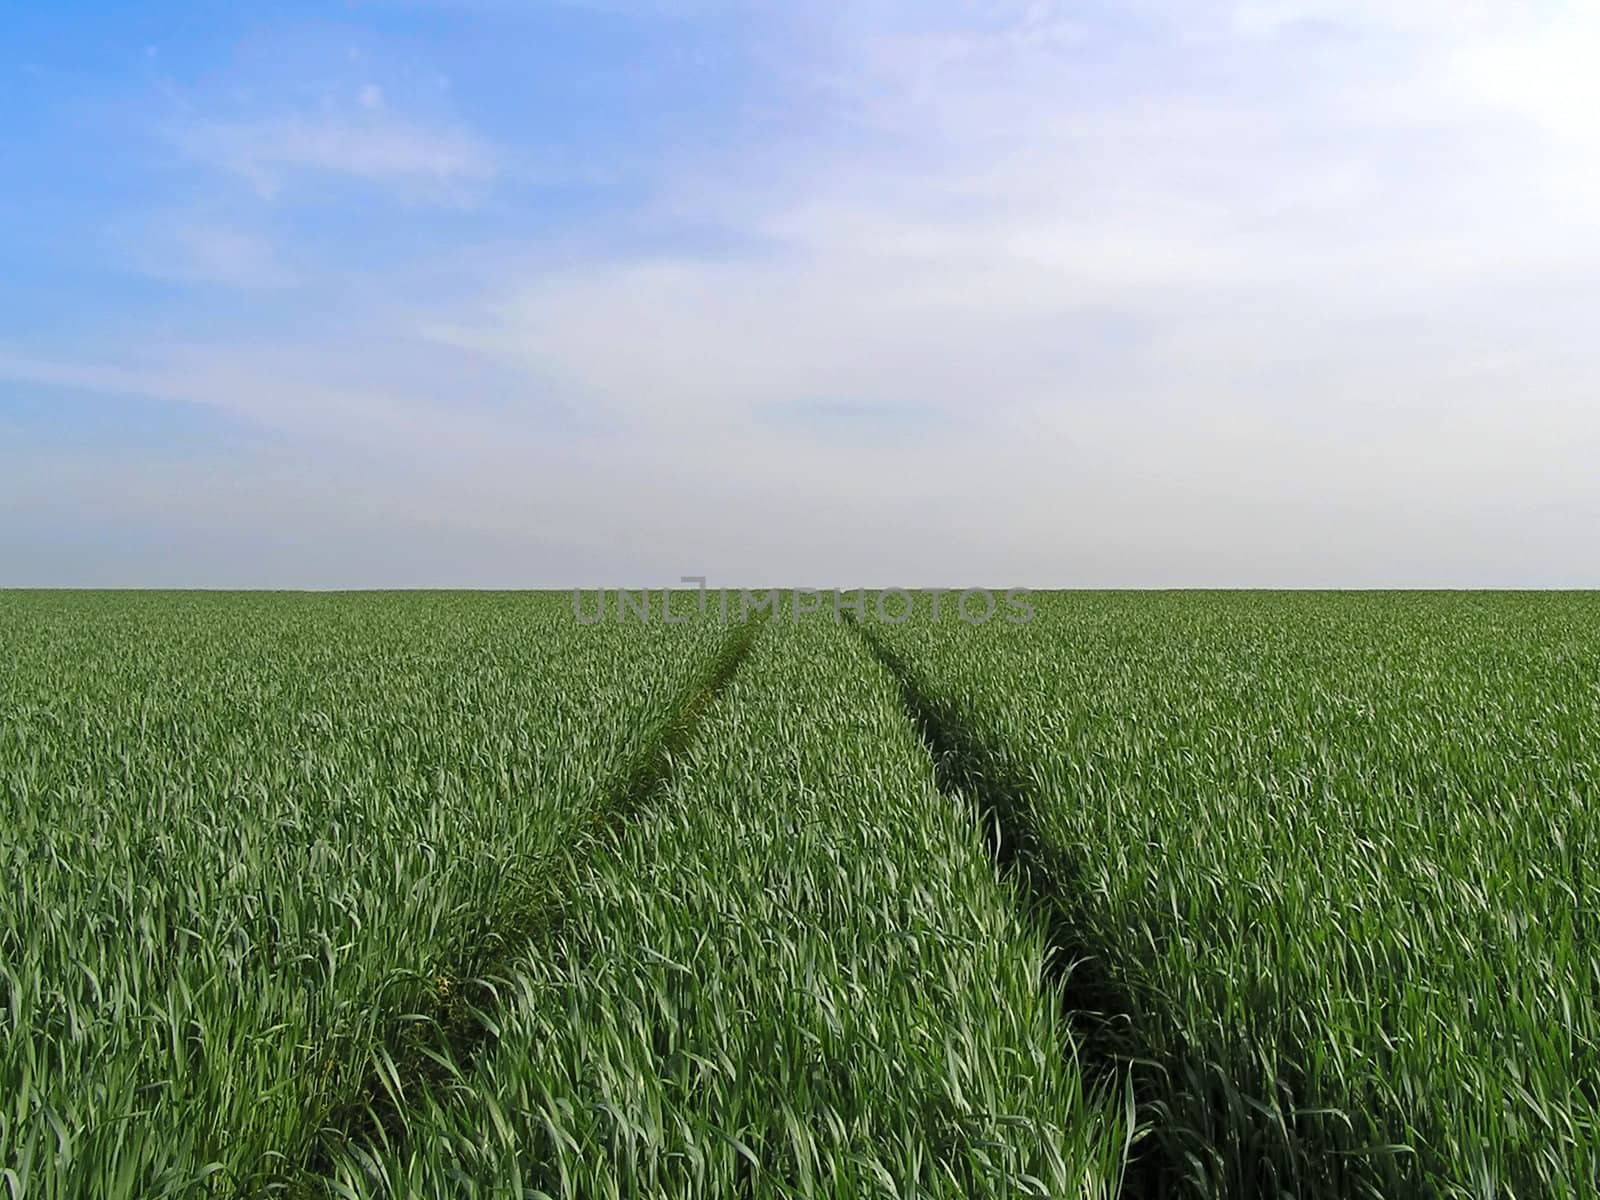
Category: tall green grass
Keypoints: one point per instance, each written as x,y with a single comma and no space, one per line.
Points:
395,895
795,973
241,836
1339,854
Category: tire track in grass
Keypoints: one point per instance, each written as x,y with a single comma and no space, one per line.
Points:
429,1049
1098,1007
797,975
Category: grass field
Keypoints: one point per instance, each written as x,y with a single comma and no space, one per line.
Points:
1332,858
242,836
1185,894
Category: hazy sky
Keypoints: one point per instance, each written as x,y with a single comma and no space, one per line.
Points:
504,292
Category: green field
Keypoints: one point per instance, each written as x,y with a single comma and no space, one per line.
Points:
435,894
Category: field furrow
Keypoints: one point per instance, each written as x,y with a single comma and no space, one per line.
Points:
1095,1005
426,1049
798,974
1333,850
242,834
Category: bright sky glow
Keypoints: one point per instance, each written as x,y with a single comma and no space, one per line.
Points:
488,293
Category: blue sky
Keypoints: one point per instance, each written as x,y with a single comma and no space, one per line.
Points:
483,292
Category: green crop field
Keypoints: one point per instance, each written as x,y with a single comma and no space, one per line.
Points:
1333,858
454,894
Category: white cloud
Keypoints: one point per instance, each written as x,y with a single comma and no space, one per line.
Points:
373,145
1291,292
1545,75
192,248
1429,18
979,254
1235,312
317,394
